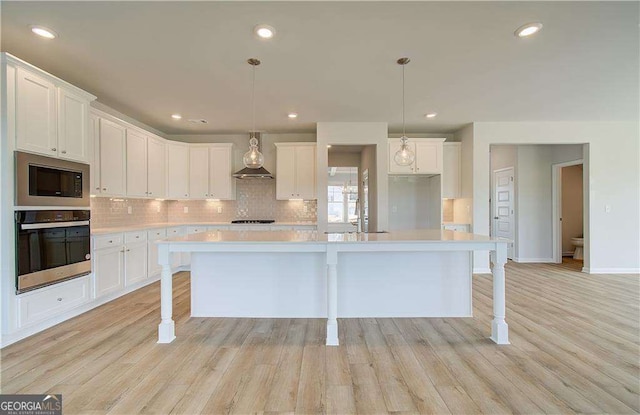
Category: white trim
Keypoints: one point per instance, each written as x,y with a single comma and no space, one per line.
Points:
482,270
534,260
556,206
611,270
492,210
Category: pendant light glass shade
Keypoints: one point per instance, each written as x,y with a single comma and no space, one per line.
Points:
253,158
405,156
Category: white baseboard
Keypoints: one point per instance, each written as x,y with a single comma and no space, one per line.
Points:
611,270
479,270
568,253
534,260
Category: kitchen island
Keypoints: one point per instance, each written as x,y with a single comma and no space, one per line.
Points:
306,274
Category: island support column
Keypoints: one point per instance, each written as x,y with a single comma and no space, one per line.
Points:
166,328
332,296
499,328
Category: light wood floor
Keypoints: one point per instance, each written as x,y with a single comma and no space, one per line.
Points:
575,348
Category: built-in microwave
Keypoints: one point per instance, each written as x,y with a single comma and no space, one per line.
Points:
46,181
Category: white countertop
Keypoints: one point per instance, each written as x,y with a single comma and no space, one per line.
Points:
418,235
148,226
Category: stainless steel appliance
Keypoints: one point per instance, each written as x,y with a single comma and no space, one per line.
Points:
51,246
45,181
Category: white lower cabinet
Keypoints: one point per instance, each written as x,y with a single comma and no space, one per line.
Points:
152,249
43,303
135,263
177,258
108,270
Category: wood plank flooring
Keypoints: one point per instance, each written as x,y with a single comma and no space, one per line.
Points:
575,349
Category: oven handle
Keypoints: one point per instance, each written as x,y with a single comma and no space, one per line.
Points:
53,225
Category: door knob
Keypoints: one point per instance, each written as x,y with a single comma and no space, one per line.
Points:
495,217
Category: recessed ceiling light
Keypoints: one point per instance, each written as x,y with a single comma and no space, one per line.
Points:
44,32
264,31
528,29
431,115
293,115
176,116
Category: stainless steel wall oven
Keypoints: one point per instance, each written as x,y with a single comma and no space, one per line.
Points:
51,246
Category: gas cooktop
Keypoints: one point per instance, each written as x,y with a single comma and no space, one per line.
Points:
253,221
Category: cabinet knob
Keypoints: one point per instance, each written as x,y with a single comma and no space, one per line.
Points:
59,298
53,149
128,250
110,242
186,194
97,188
150,193
104,189
64,151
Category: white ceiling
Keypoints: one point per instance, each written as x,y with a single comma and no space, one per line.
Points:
336,61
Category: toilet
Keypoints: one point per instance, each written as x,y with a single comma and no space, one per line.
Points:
578,252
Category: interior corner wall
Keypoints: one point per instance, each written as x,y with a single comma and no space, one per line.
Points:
612,163
354,133
462,207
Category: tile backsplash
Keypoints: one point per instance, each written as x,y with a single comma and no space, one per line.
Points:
113,212
255,199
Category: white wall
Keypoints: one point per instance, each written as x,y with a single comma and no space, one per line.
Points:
463,207
414,202
572,217
354,133
612,162
368,162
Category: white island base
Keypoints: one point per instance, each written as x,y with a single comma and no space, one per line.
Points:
305,275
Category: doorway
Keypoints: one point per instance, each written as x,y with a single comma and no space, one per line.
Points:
568,211
503,223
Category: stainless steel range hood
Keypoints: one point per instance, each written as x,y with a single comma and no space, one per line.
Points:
260,173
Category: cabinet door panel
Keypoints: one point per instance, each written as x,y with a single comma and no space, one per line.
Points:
94,137
108,270
156,168
135,263
428,158
305,172
285,173
451,171
35,114
177,171
199,172
136,164
73,140
112,163
220,171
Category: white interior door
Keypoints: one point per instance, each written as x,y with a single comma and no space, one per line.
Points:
503,206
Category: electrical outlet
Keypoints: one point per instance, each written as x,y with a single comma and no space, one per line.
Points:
186,209
219,209
607,208
129,210
394,209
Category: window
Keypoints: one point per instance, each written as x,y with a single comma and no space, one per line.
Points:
342,203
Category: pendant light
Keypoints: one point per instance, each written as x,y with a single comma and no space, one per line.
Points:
404,156
253,158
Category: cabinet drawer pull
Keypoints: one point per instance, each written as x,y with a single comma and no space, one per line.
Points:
59,298
97,188
64,151
128,250
104,189
110,242
53,149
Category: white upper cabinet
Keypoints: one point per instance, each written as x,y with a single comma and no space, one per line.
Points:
94,141
73,128
428,153
136,154
221,181
112,139
451,155
51,116
156,167
35,114
177,170
199,172
296,171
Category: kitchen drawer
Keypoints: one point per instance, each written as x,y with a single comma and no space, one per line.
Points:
46,302
196,229
107,241
156,234
175,231
133,237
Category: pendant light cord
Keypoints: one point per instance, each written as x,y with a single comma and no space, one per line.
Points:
403,129
253,103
